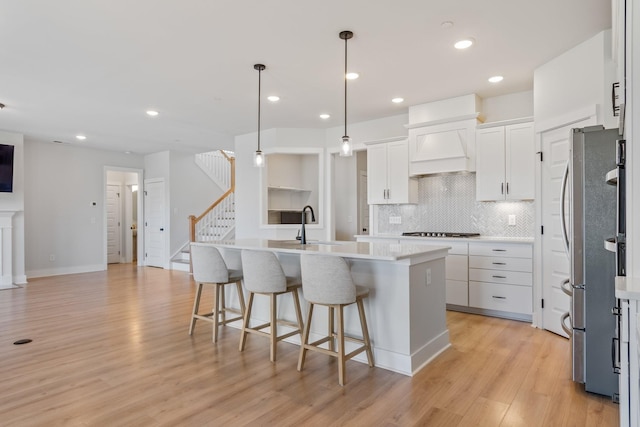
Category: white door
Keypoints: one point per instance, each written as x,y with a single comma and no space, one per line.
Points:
377,173
397,171
555,261
114,220
490,164
519,161
154,223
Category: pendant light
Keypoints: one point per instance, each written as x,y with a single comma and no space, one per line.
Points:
345,145
258,157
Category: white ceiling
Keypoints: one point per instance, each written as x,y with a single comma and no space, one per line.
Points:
94,67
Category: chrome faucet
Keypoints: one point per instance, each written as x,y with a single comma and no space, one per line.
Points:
303,237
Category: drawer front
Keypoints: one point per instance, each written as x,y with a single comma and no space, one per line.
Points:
515,250
501,263
493,296
456,267
497,276
457,292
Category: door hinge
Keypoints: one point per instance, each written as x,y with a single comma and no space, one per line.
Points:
118,194
542,303
542,229
541,155
145,193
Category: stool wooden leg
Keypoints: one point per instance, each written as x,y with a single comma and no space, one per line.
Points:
216,310
222,303
332,329
274,328
296,302
341,350
365,332
305,338
196,305
245,322
241,298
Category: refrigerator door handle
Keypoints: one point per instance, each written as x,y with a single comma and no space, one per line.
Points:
566,289
563,221
568,329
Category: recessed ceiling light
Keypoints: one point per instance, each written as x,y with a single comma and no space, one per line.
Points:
496,79
324,116
81,137
397,100
273,98
152,113
352,76
464,44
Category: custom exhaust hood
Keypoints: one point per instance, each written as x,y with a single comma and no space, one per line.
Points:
442,136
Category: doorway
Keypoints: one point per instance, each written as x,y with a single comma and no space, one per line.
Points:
121,207
349,189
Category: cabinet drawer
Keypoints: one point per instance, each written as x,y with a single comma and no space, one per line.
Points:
496,276
457,248
494,296
456,267
501,263
514,250
457,292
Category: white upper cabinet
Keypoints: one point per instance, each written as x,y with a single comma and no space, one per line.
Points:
388,179
505,162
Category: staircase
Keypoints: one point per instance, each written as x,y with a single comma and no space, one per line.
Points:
218,221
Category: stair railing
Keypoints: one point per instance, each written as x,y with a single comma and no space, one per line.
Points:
214,220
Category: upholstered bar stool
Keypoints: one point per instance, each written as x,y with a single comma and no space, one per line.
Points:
263,274
209,268
326,280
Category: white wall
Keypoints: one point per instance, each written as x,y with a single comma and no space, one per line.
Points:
506,107
345,196
191,192
372,130
60,182
14,201
579,78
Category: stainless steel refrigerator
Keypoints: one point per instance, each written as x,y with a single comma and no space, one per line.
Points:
591,220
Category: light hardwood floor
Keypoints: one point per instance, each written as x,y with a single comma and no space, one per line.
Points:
112,349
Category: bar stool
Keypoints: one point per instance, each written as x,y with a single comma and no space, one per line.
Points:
209,268
326,280
263,275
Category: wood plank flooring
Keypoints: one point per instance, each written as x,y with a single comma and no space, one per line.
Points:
112,349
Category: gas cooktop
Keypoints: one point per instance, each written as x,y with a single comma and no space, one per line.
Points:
439,234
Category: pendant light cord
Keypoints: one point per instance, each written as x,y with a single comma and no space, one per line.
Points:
259,91
345,86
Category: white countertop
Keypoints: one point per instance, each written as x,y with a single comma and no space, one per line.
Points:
628,288
457,239
363,250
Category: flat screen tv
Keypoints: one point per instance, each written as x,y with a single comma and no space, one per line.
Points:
6,168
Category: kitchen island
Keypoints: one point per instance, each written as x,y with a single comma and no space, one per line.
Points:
406,305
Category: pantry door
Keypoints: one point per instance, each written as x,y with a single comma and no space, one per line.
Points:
555,260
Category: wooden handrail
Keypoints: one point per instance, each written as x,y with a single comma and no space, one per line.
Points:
193,220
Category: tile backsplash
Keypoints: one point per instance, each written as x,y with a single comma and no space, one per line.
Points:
448,203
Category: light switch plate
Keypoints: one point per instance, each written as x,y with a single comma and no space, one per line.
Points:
512,220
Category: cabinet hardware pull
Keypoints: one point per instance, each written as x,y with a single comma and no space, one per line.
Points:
497,297
499,277
499,250
502,188
507,188
499,263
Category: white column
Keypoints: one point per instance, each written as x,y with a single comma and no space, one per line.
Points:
6,250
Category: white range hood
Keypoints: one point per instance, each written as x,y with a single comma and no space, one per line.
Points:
442,136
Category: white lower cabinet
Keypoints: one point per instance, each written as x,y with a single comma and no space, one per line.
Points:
501,278
457,274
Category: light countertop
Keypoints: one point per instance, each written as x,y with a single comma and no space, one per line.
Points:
628,288
381,251
457,239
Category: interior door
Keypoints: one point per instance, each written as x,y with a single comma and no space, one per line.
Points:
555,260
363,206
114,221
154,223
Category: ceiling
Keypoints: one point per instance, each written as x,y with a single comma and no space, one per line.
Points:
73,67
